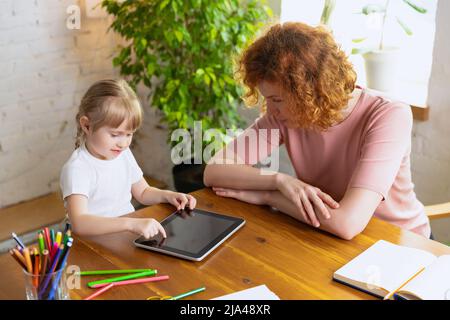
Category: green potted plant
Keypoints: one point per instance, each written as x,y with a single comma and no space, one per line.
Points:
380,61
184,51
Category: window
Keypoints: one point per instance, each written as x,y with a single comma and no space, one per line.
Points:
414,66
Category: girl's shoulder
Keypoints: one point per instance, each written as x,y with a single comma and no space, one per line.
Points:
77,162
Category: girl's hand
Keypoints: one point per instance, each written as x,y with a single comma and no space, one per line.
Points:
309,200
250,196
180,200
147,228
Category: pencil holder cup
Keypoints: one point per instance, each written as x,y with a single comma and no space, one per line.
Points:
48,286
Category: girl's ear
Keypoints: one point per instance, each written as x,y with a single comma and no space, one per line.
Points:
84,124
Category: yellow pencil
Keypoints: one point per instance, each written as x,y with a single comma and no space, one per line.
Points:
26,254
390,294
58,237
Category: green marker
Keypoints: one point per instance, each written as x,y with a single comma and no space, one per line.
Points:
131,276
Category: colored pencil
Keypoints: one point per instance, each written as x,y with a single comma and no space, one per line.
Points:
53,250
17,239
52,236
58,238
135,281
36,269
41,243
44,262
64,255
26,254
50,271
103,272
189,293
47,239
67,236
390,294
60,267
11,252
20,256
99,292
67,227
128,277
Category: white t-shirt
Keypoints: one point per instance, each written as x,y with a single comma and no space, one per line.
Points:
106,183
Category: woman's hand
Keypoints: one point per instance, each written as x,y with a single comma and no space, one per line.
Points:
147,228
250,196
180,200
309,200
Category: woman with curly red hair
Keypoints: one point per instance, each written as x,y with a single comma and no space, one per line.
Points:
350,148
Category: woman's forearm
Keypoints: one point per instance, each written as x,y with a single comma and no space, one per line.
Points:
238,176
338,224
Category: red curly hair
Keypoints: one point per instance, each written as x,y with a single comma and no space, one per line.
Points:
309,66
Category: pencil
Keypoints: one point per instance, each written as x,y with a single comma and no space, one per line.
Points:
31,250
128,277
47,239
41,243
60,267
50,271
36,269
17,239
189,293
26,254
64,255
99,292
11,252
58,237
44,263
53,251
390,294
103,272
67,228
134,281
20,257
67,236
52,236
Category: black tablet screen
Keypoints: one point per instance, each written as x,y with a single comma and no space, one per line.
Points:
191,231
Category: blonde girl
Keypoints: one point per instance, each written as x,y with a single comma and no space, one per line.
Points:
102,175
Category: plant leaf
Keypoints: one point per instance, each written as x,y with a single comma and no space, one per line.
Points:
372,8
360,50
415,6
358,40
404,27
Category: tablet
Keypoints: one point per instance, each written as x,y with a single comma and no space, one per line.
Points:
192,234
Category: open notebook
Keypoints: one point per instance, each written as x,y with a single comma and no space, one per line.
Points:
386,266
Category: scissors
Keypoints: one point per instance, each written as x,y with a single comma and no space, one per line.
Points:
180,296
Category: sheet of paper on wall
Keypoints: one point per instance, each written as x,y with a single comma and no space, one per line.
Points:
256,293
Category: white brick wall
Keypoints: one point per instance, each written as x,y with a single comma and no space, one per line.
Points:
44,70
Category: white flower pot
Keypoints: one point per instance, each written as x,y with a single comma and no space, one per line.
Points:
381,69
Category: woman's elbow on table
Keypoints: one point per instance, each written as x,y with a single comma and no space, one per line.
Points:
207,176
348,227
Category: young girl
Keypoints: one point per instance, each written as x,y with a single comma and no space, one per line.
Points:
100,177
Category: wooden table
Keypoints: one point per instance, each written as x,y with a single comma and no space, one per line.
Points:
294,260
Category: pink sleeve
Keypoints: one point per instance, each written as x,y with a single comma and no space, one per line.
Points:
257,142
386,143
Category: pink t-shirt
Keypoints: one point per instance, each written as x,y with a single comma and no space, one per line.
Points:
370,149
